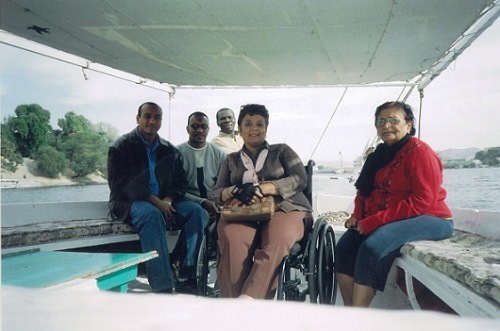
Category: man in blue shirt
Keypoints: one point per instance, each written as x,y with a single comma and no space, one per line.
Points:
147,184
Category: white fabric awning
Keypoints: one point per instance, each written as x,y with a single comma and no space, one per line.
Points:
256,43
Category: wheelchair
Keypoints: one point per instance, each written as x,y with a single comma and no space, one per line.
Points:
308,270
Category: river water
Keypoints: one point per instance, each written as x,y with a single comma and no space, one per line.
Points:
477,188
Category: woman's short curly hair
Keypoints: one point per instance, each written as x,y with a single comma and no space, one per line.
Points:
253,109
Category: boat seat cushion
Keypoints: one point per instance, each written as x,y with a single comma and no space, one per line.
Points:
465,257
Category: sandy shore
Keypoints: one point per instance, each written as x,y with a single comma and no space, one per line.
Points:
28,176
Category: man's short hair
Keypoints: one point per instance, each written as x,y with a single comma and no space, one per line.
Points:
197,113
149,103
222,109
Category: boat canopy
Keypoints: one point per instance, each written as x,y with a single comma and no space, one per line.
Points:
265,43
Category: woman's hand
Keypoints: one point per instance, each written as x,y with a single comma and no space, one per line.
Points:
267,189
235,202
246,193
249,194
351,223
360,229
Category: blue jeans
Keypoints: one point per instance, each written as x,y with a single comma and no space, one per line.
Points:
368,259
149,222
195,218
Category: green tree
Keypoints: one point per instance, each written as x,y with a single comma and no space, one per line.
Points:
30,129
11,158
84,144
86,152
74,123
480,155
489,157
109,132
50,161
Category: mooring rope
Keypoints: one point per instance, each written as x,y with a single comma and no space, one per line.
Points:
328,124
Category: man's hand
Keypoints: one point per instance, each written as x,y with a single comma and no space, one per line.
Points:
210,206
164,205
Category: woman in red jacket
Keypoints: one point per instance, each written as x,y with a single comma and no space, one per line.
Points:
399,199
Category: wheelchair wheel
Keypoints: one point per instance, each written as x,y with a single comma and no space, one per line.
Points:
283,279
290,287
312,262
322,282
327,281
206,269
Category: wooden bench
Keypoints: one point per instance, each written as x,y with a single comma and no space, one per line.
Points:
36,269
464,270
57,226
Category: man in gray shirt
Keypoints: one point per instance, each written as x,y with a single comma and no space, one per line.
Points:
201,162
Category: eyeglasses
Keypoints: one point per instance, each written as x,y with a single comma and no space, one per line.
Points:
382,121
195,126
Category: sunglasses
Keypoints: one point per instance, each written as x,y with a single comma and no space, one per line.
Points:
195,126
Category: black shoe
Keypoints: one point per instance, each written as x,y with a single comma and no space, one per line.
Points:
186,272
187,287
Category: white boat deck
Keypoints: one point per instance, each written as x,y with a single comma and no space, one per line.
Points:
482,223
80,306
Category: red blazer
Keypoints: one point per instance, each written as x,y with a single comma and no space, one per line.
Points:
409,186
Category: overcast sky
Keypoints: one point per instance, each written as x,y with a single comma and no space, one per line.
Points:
461,108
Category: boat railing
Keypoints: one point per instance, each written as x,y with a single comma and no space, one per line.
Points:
481,222
64,225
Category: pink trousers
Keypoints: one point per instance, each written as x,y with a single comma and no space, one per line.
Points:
250,253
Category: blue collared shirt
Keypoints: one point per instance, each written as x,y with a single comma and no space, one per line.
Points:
154,188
